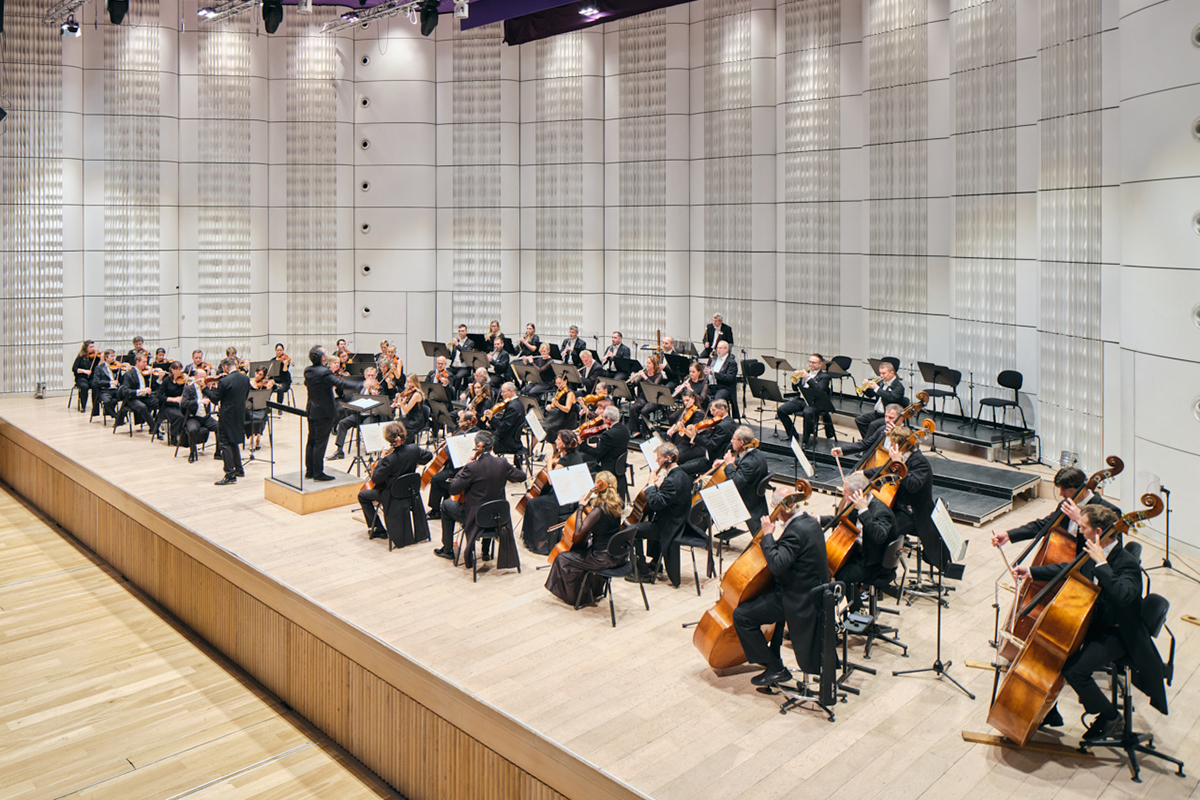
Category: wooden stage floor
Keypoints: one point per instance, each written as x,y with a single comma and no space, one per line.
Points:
638,700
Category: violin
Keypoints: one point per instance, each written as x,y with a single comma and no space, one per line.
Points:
592,399
571,528
496,409
683,421
592,427
702,425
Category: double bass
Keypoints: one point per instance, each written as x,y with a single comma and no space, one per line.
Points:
747,578
843,534
1034,679
877,455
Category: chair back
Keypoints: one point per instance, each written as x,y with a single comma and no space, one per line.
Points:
1134,549
407,486
618,545
952,377
764,486
1154,613
700,517
1011,379
753,368
891,556
492,515
843,361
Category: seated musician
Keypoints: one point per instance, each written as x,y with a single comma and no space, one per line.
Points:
440,373
256,418
614,351
668,503
352,420
411,409
876,525
572,347
716,331
640,411
160,362
494,332
87,360
695,383
105,383
1115,629
545,367
479,482
543,511
689,414
746,466
401,459
530,344
1069,482
467,423
283,381
562,411
609,447
814,378
715,439
890,415
242,364
460,344
138,348
794,549
136,394
886,390
589,371
506,424
170,401
498,363
722,373
603,519
199,414
196,363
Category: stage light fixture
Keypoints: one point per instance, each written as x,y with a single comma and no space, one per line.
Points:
429,16
117,9
208,12
461,9
588,11
272,14
304,7
69,28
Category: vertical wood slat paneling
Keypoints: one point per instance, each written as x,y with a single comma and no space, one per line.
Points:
413,749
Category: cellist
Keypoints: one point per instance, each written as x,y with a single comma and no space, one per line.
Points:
603,520
1069,482
794,548
1115,629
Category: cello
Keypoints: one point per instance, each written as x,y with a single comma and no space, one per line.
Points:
539,483
747,578
1054,546
571,526
1034,679
844,534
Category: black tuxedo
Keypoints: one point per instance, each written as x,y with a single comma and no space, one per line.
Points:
140,404
400,461
725,379
708,341
877,524
460,373
715,440
668,507
884,396
747,471
480,482
231,392
440,482
322,413
913,507
607,451
197,424
104,389
570,352
818,382
1031,529
589,375
610,353
500,365
507,427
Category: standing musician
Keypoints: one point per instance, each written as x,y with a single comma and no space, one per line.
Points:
1068,481
401,459
138,348
506,423
589,371
796,557
1115,629
886,390
81,371
614,351
722,373
875,434
170,401
411,409
105,384
716,331
440,372
603,519
498,363
689,413
479,481
320,382
876,524
543,511
715,439
440,483
545,368
668,503
197,362
610,447
530,344
198,414
231,393
572,347
284,380
814,378
136,394
639,413
913,503
746,466
457,346
256,419
695,383
562,412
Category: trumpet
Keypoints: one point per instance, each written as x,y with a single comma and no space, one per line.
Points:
799,375
869,383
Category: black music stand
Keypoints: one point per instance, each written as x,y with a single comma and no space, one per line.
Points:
688,348
677,367
836,372
257,401
555,351
777,364
480,341
435,349
265,365
764,390
435,391
627,366
363,358
528,374
933,375
658,394
440,418
569,370
301,415
617,390
474,359
357,368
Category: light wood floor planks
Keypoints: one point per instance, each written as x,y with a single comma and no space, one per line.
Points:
104,698
638,700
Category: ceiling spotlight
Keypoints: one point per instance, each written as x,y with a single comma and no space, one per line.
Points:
272,13
69,28
588,11
350,16
429,16
117,9
461,9
304,7
208,12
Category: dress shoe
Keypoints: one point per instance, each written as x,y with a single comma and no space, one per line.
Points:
1053,719
442,552
338,455
641,577
192,457
1104,728
216,456
771,676
308,475
239,474
228,479
433,515
323,477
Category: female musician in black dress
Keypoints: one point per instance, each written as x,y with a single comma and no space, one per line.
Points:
543,511
595,530
411,409
696,383
545,366
283,381
530,343
688,414
639,413
563,409
81,370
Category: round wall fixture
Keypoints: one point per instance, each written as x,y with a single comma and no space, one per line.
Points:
1196,36
1196,129
1196,315
366,269
366,312
365,144
1196,409
365,60
366,101
1196,223
365,227
365,25
365,186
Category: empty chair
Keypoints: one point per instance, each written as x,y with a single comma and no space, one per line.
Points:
843,363
937,375
1009,379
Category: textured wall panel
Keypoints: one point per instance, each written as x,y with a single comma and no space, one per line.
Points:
476,184
31,217
223,185
132,191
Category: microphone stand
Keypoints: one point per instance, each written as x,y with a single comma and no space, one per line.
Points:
1166,562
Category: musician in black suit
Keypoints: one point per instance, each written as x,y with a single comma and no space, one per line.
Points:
610,445
199,415
711,337
1068,482
401,459
746,466
170,399
498,362
715,439
611,353
459,345
589,371
876,525
138,348
722,373
815,378
136,394
875,435
572,346
439,485
1115,629
231,393
668,503
887,390
320,382
507,424
105,384
479,482
796,557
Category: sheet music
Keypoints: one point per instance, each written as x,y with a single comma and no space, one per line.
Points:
648,447
803,459
571,483
949,531
364,403
725,505
535,425
372,437
462,449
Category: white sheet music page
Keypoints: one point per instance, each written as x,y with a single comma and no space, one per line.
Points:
535,425
648,447
462,449
365,403
571,483
803,459
372,437
725,505
949,531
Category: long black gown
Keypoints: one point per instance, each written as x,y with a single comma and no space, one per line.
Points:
543,511
566,573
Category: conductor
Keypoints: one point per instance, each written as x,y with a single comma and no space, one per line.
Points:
320,382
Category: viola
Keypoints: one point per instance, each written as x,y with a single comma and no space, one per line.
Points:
571,527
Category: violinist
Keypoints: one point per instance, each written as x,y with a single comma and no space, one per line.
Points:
256,419
440,372
283,381
197,362
459,345
639,413
714,438
402,458
230,393
695,383
589,370
1115,629
320,383
1068,482
479,482
478,395
562,412
199,414
603,519
668,503
545,368
350,418
814,378
85,362
243,365
105,384
138,348
530,344
342,351
609,452
498,363
689,413
891,415
136,394
543,511
794,549
572,347
506,422
722,374
411,409
886,390
614,351
161,362
876,525
170,401
438,485
746,466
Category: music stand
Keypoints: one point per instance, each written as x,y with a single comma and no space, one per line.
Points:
555,351
274,368
764,390
441,418
569,371
687,347
677,366
511,348
265,365
776,364
528,374
933,375
302,415
357,368
627,366
474,359
435,349
364,358
480,341
363,410
836,372
617,390
257,401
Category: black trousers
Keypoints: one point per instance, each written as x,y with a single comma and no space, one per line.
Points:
439,487
106,398
198,429
1096,654
231,454
314,448
82,384
367,498
864,420
748,619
